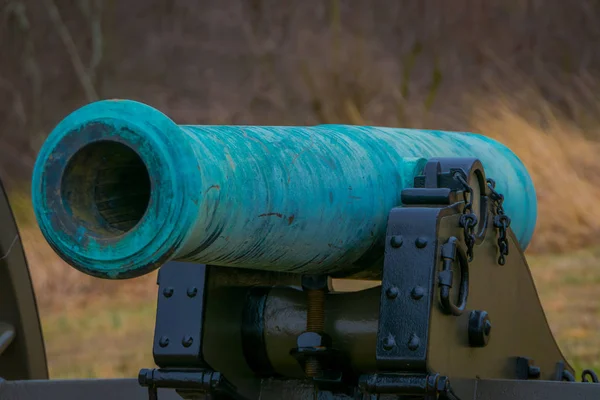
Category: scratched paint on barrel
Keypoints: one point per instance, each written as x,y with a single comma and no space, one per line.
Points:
302,199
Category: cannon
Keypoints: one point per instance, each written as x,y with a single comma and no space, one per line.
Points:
330,262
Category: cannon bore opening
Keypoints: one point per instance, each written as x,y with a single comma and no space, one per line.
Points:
106,187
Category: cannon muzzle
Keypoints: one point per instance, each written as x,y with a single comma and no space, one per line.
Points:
119,189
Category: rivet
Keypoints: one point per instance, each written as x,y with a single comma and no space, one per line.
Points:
389,343
421,242
392,292
417,293
187,341
414,342
191,292
396,241
163,342
168,291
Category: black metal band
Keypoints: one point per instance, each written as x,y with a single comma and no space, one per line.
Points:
253,328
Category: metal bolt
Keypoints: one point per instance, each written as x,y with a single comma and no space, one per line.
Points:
534,372
421,242
187,341
144,376
480,327
389,343
191,292
396,241
526,368
315,315
392,292
487,327
163,342
168,291
414,342
417,293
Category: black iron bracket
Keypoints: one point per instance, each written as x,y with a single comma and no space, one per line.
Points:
412,255
178,332
427,387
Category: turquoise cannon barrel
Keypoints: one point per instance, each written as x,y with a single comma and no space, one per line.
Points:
119,189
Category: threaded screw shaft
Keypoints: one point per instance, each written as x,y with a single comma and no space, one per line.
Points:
315,322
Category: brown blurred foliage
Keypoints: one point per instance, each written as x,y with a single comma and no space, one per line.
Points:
381,62
522,71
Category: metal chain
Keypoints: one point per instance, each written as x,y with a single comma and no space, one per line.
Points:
468,220
501,220
589,376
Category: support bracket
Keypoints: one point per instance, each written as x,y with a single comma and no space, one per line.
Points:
178,333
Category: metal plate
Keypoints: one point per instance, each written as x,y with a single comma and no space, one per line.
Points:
25,357
411,251
535,390
519,326
128,389
88,389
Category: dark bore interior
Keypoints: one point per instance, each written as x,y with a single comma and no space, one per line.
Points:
106,187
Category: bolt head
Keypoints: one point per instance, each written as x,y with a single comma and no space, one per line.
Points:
534,372
389,342
417,293
480,328
414,342
144,376
187,341
421,242
396,241
392,292
163,341
191,292
487,327
168,292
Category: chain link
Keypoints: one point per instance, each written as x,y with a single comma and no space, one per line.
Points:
468,220
501,220
589,376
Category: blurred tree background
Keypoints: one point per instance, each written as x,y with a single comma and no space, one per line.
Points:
526,72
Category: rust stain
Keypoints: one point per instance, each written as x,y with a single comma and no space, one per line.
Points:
272,214
291,219
216,187
264,146
322,259
230,160
304,150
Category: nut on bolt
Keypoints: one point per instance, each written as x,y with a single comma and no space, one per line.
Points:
480,328
316,287
316,282
313,340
